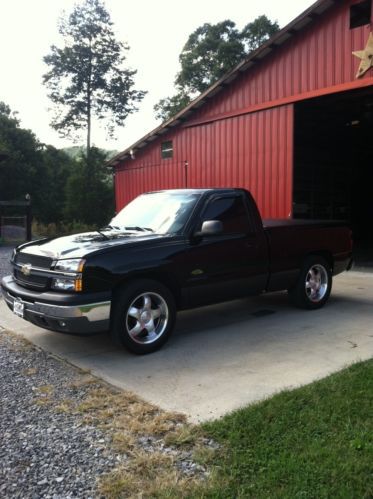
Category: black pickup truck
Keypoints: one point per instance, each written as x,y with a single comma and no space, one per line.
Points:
167,251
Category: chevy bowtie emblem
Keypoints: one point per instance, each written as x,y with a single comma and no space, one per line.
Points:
26,269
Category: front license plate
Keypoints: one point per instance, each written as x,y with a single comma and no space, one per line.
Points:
18,308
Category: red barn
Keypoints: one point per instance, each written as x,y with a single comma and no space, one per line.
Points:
293,123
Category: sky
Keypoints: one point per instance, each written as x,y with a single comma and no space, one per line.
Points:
156,32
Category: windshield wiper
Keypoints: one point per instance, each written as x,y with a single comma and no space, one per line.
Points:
102,234
132,227
110,227
139,229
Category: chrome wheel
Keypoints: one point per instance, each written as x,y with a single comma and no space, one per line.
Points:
317,281
147,318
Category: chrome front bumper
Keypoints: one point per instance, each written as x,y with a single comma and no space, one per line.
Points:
79,319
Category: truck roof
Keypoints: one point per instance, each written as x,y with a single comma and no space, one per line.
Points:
222,190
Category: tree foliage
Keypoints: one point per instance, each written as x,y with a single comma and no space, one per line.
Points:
168,107
255,33
210,51
87,77
22,161
75,152
89,191
62,188
58,168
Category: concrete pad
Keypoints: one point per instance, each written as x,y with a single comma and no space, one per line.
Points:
228,355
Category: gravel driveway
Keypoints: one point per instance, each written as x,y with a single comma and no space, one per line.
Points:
66,434
45,453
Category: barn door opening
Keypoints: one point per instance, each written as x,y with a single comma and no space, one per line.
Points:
333,164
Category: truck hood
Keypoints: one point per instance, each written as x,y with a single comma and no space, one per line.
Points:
81,245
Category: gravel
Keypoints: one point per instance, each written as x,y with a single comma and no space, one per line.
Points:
5,254
50,451
45,453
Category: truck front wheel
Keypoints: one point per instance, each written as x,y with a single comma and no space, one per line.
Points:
143,316
314,284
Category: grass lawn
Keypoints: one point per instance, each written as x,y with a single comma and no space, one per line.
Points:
312,442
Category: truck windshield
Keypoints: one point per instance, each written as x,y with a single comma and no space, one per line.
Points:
160,212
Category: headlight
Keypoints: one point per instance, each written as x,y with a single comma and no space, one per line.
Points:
62,284
69,283
72,265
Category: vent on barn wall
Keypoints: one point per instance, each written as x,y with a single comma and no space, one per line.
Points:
360,14
167,149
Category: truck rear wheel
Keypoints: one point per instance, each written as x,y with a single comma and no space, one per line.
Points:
143,316
314,284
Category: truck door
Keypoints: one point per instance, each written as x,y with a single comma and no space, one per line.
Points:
229,265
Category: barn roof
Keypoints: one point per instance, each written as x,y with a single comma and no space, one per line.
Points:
298,24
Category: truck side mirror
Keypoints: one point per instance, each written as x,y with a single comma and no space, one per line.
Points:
210,228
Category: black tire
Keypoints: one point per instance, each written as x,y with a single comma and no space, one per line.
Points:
314,284
143,316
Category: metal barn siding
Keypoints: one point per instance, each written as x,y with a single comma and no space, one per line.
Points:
315,61
131,182
243,135
252,151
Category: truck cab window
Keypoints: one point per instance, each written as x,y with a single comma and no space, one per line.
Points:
231,211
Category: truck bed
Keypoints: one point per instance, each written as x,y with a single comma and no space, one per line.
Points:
270,223
289,241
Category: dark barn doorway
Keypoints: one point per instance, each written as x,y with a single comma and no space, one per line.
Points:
333,164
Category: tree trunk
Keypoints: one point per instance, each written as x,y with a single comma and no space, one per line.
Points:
88,125
89,99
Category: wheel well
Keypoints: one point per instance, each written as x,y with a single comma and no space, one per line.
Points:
163,278
326,255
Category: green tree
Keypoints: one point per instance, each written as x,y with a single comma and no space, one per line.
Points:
89,191
87,77
62,188
168,107
76,151
22,162
257,32
29,167
58,167
211,51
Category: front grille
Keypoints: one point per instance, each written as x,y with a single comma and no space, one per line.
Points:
43,262
31,281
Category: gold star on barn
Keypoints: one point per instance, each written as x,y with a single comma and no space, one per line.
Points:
366,57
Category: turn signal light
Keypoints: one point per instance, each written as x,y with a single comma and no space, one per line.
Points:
78,284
